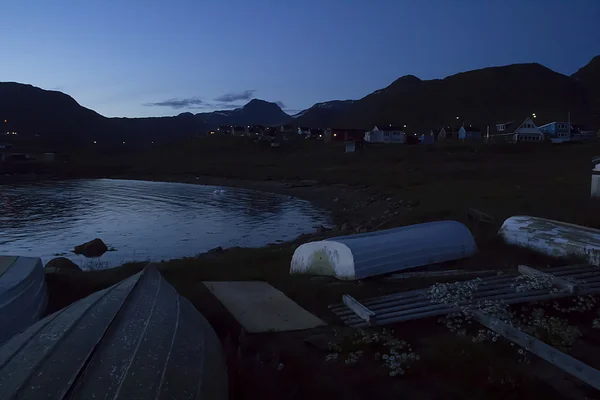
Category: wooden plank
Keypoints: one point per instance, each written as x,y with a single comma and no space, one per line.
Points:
259,307
563,361
435,274
556,281
360,310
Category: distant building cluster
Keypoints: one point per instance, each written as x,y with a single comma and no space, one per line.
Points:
503,132
8,153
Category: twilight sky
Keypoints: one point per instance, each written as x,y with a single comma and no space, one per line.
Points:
163,57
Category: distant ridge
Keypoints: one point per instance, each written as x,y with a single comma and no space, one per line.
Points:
480,97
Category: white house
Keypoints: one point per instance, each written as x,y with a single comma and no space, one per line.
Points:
442,135
305,131
386,134
528,131
447,133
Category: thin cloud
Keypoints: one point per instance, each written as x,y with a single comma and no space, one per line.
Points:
190,102
280,104
231,97
226,106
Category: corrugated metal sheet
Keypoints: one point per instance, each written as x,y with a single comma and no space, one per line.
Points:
22,294
375,253
136,340
417,304
554,238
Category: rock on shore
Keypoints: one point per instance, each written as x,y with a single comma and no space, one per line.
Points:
94,248
60,264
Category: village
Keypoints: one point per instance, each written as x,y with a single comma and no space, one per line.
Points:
526,131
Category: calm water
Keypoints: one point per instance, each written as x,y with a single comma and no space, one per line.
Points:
144,220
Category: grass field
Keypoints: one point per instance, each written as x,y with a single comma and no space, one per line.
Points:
382,187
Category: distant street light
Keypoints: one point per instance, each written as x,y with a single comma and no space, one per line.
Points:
94,142
405,126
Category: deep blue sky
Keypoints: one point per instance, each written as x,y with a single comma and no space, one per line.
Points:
133,57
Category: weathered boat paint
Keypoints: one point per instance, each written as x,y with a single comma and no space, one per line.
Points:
22,294
135,340
381,252
553,238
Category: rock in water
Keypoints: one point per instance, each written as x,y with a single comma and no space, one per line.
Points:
95,248
62,264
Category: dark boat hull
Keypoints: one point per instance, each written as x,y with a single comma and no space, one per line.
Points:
136,340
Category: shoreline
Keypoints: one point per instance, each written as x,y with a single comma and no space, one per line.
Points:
340,200
350,208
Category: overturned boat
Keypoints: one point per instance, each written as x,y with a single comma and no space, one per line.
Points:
135,340
553,238
381,252
22,294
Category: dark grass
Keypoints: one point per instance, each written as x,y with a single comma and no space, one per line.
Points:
450,367
441,182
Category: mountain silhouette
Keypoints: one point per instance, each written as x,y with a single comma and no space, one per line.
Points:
256,112
50,114
322,114
589,77
31,110
480,97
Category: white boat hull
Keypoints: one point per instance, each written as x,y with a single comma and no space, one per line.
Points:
381,252
553,238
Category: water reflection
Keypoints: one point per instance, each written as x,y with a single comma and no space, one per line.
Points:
144,220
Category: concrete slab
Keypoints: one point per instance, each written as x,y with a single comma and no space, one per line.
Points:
259,307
